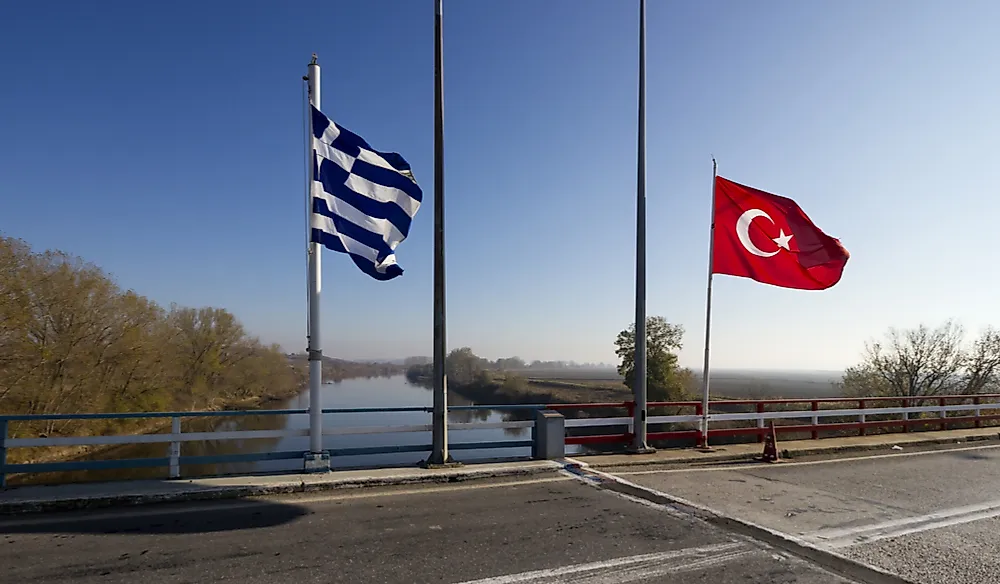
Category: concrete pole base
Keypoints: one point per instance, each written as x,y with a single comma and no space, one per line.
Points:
549,436
316,462
450,463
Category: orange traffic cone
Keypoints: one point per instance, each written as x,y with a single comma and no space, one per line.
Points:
771,446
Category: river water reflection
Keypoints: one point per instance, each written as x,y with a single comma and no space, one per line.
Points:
351,393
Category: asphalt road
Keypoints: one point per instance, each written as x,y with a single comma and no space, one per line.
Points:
931,517
532,531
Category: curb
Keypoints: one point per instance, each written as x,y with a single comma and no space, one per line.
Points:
790,454
832,561
210,493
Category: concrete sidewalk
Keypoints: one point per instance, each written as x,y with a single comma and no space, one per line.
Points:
792,448
36,499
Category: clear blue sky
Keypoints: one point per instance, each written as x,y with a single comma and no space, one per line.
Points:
163,141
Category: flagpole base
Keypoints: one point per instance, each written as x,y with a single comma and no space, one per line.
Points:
431,465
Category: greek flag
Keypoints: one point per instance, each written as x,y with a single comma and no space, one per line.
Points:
362,200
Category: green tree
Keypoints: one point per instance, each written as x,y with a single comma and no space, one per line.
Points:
464,366
665,379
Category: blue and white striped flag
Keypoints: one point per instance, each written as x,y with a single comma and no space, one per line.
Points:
362,200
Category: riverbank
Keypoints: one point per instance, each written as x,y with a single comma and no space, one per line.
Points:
500,389
518,390
503,389
513,389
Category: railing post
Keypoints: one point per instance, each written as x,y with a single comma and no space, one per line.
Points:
815,421
697,411
944,414
175,449
976,402
760,422
3,453
906,415
630,428
861,418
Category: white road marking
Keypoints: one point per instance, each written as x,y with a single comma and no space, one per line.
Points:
256,502
593,481
737,467
845,537
629,569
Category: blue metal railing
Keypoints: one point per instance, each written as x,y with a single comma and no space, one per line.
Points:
224,413
175,438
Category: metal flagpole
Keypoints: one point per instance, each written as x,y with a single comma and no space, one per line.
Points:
316,459
708,319
639,422
439,448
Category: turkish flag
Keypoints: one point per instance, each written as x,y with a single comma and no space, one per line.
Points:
769,239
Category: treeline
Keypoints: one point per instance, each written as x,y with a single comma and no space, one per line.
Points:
927,361
665,379
556,365
72,341
514,364
487,382
339,369
463,367
479,379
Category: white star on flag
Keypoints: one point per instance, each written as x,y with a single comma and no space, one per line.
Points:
782,239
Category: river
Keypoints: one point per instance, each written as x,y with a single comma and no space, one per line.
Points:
350,393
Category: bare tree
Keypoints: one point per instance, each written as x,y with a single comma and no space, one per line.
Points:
72,341
982,364
910,363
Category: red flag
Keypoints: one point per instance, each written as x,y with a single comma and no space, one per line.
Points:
769,239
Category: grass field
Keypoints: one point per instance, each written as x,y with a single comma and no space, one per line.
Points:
582,385
581,390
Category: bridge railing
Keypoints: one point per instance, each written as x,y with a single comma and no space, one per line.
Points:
585,425
176,437
813,416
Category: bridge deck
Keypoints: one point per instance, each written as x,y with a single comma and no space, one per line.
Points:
532,530
930,516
